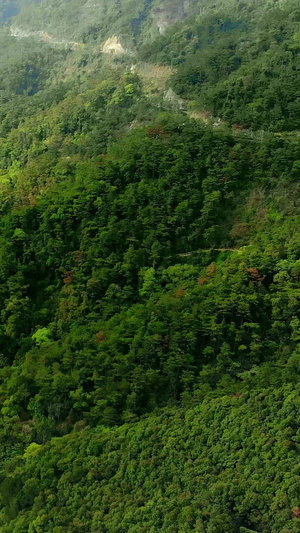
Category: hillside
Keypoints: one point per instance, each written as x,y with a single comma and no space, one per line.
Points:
87,20
179,470
149,267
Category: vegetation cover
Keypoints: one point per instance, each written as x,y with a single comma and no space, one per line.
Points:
149,267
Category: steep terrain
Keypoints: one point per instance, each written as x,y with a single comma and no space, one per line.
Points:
149,267
100,19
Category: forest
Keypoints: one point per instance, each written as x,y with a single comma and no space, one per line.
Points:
149,267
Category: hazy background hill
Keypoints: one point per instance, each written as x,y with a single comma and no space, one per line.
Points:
231,60
101,18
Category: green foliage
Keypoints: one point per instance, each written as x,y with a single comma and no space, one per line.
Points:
149,268
41,336
228,466
239,64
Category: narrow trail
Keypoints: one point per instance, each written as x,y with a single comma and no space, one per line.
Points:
237,130
113,46
19,33
189,254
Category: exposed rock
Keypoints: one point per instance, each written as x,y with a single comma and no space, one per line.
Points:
171,97
113,46
154,77
201,115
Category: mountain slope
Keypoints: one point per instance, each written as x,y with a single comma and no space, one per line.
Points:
238,64
183,470
101,19
149,267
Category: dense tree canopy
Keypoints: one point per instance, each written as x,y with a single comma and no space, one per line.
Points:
149,270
